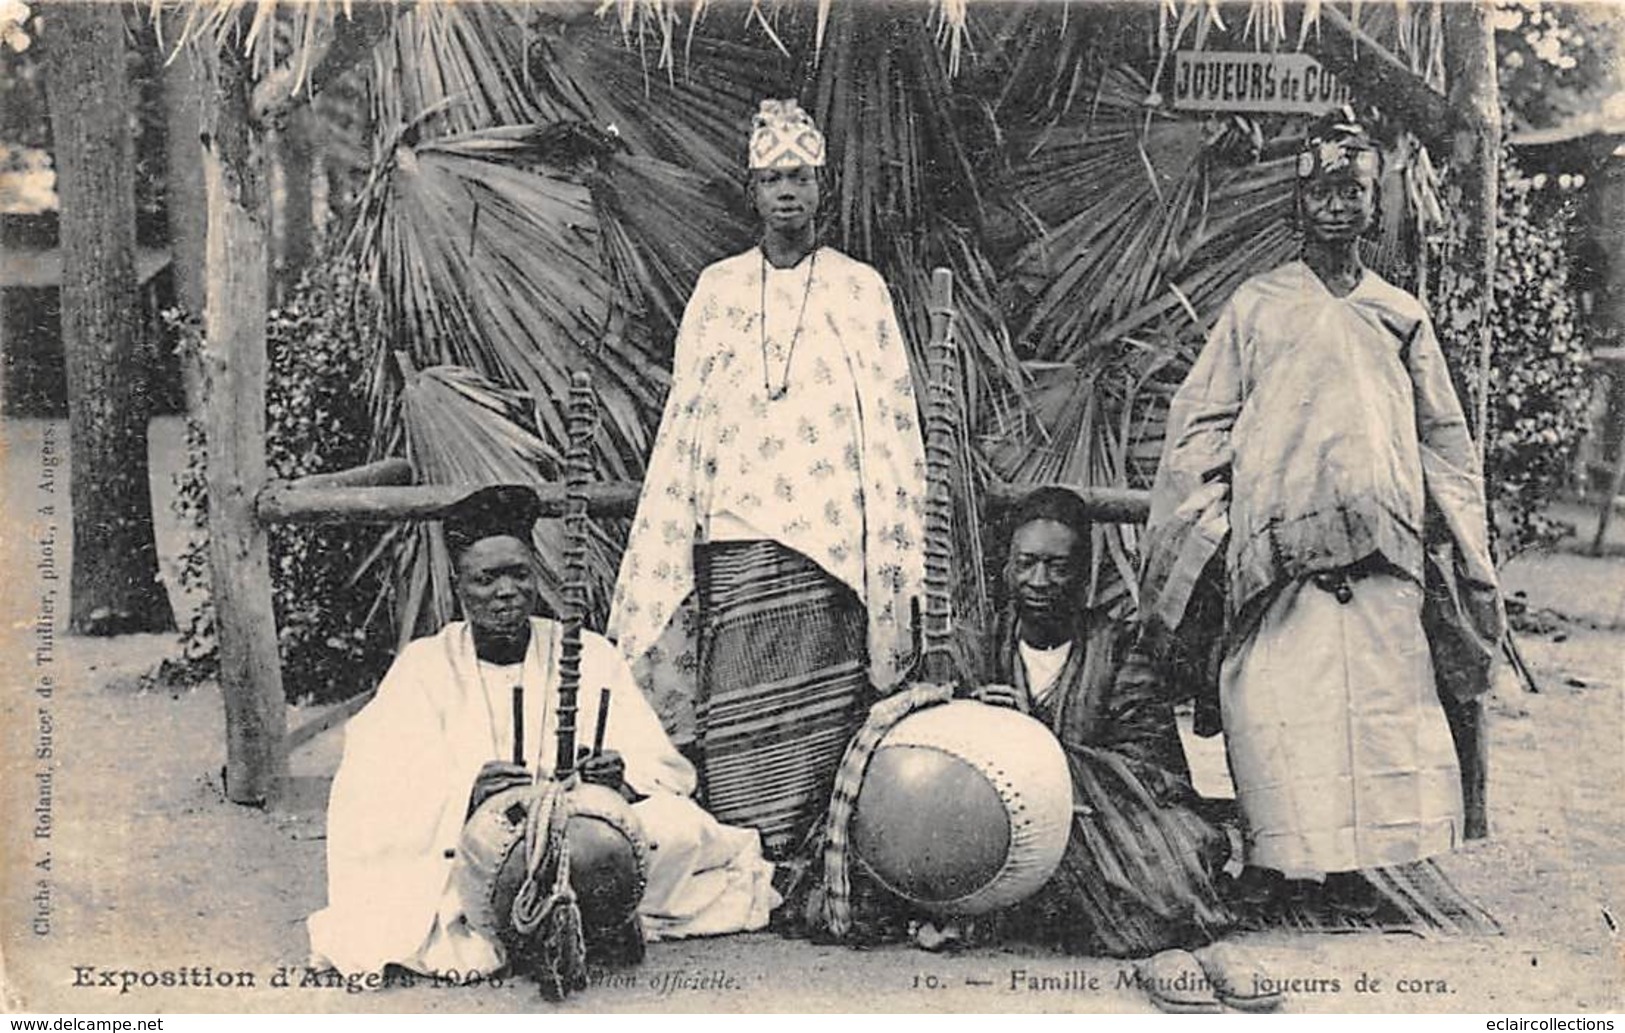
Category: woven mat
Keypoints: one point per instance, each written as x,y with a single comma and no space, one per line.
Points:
1416,898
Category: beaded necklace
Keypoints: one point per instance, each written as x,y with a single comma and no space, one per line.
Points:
775,394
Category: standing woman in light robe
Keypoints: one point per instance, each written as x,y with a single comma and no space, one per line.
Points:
764,597
1317,463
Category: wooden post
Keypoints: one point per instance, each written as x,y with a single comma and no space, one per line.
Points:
236,111
1476,164
235,368
1613,360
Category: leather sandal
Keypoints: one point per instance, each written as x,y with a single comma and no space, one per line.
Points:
1259,887
1239,979
1176,983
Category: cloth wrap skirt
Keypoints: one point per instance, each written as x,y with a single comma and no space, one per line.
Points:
1138,873
783,685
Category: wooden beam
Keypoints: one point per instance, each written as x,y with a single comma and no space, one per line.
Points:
1475,162
378,472
1106,505
285,502
332,717
1373,72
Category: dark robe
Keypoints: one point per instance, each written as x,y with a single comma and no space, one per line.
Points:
1138,873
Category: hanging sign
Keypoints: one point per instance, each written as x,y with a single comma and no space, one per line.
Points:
1247,81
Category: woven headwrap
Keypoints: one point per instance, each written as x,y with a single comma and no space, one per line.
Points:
783,136
1337,141
503,510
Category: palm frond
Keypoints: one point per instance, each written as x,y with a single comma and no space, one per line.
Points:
695,115
487,257
453,68
889,111
661,226
1111,191
271,33
1037,62
659,21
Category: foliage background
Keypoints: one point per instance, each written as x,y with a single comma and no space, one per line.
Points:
1539,388
540,186
326,596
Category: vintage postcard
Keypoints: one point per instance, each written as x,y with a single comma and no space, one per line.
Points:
805,507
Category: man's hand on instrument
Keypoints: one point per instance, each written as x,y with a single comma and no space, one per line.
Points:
999,696
602,769
494,777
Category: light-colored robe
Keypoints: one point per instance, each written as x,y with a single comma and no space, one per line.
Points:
835,470
401,794
1317,432
1327,429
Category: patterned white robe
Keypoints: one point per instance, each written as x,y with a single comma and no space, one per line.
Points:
834,470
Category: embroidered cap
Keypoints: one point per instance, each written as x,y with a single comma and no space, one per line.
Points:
1337,141
783,137
504,510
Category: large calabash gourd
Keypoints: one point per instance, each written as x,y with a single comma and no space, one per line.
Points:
608,858
964,809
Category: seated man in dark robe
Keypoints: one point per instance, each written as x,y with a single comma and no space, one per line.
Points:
1138,876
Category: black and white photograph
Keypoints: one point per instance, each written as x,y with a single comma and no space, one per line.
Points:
810,506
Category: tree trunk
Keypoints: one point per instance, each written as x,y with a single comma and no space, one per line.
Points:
1476,165
237,292
115,586
294,222
1475,162
184,200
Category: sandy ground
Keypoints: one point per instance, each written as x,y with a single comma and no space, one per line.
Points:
151,872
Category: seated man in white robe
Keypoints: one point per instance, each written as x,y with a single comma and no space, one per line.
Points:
437,740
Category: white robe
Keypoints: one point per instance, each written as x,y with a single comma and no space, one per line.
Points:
1340,752
835,470
401,792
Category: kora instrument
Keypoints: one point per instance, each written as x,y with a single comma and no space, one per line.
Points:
552,868
964,808
607,854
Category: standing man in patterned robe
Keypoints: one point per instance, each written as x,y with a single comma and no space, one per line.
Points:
765,594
